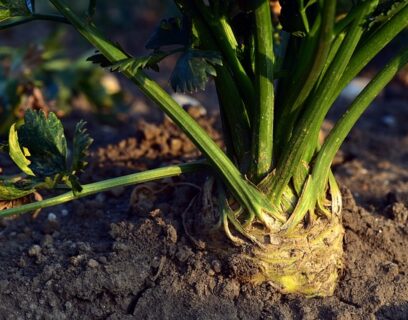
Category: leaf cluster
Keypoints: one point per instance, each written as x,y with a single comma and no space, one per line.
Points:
39,148
193,67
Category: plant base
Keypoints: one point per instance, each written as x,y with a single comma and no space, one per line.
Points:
307,261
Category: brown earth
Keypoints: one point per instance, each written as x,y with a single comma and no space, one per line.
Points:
108,257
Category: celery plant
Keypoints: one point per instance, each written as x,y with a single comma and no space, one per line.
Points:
276,83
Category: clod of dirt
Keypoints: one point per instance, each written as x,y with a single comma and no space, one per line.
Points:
398,212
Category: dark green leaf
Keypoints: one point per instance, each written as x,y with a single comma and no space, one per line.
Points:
13,8
100,59
193,69
132,64
45,140
81,144
173,31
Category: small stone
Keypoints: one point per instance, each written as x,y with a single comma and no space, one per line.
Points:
76,260
34,251
389,120
64,212
100,198
92,263
216,266
103,260
52,217
171,234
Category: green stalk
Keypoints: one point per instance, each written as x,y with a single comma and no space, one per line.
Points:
105,185
229,97
248,196
371,46
262,132
306,82
315,187
350,117
306,131
224,36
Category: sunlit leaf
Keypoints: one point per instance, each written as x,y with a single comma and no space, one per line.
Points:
16,152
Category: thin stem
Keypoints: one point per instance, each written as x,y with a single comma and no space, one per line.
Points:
12,22
262,132
248,196
105,185
371,46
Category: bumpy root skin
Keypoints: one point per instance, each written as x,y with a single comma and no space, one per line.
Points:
307,261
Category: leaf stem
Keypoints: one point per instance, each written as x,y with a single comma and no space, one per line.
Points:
12,22
105,185
262,131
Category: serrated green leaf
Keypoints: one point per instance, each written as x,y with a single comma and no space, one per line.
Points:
193,69
16,152
173,31
81,144
132,64
44,138
13,8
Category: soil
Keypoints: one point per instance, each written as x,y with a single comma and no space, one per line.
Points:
125,255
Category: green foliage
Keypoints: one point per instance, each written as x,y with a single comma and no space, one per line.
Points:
44,138
14,8
193,69
132,64
39,148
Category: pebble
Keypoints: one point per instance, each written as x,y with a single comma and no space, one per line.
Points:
52,217
64,212
389,120
216,266
34,251
92,263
